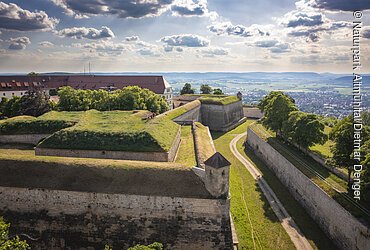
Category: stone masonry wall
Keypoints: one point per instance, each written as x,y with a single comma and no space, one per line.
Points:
80,220
222,117
27,138
191,115
345,230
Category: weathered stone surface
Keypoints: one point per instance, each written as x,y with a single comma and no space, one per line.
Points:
345,230
33,139
76,220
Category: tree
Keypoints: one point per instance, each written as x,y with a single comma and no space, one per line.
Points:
187,89
342,136
34,103
205,89
266,99
218,92
304,129
11,107
8,243
277,112
366,173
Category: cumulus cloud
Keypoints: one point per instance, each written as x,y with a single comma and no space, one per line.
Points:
296,18
120,8
46,44
337,5
132,38
104,47
13,17
186,40
89,33
214,51
19,43
227,28
273,45
190,7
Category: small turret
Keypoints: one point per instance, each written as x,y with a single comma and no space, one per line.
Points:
216,179
239,95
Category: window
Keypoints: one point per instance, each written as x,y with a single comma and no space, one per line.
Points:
12,93
21,93
3,94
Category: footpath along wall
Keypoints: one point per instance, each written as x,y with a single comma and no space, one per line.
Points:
343,228
59,219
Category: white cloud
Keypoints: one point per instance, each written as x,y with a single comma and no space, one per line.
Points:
46,44
89,33
19,43
186,40
13,17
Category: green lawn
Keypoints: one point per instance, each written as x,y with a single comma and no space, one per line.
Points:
205,148
174,113
186,153
324,150
117,131
256,224
309,228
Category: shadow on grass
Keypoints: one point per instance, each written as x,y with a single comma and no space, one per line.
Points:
16,146
305,223
268,212
216,135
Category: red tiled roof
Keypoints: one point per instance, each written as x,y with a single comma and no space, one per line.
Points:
156,84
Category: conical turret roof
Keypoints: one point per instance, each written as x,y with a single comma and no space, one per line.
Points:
217,161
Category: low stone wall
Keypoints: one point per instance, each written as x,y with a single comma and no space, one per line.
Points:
33,139
117,155
74,220
344,229
191,115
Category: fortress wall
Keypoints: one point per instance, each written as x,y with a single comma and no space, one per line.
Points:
26,138
66,219
252,112
345,230
191,115
222,117
118,155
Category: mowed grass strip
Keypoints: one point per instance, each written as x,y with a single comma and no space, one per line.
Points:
116,131
205,148
307,225
256,224
186,153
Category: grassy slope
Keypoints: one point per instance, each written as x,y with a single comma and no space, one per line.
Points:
303,162
186,153
205,148
310,229
116,130
174,113
20,167
256,224
46,124
324,150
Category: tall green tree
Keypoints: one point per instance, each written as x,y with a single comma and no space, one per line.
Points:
7,242
342,135
267,99
277,112
187,89
34,103
205,89
365,193
304,129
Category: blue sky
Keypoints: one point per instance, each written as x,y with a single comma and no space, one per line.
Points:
180,35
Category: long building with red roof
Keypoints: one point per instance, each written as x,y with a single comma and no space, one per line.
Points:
18,85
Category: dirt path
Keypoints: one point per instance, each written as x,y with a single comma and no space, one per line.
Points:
298,239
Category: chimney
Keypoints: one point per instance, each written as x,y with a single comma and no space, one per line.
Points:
216,179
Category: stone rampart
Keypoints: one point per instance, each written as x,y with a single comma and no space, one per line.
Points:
33,139
343,228
75,220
